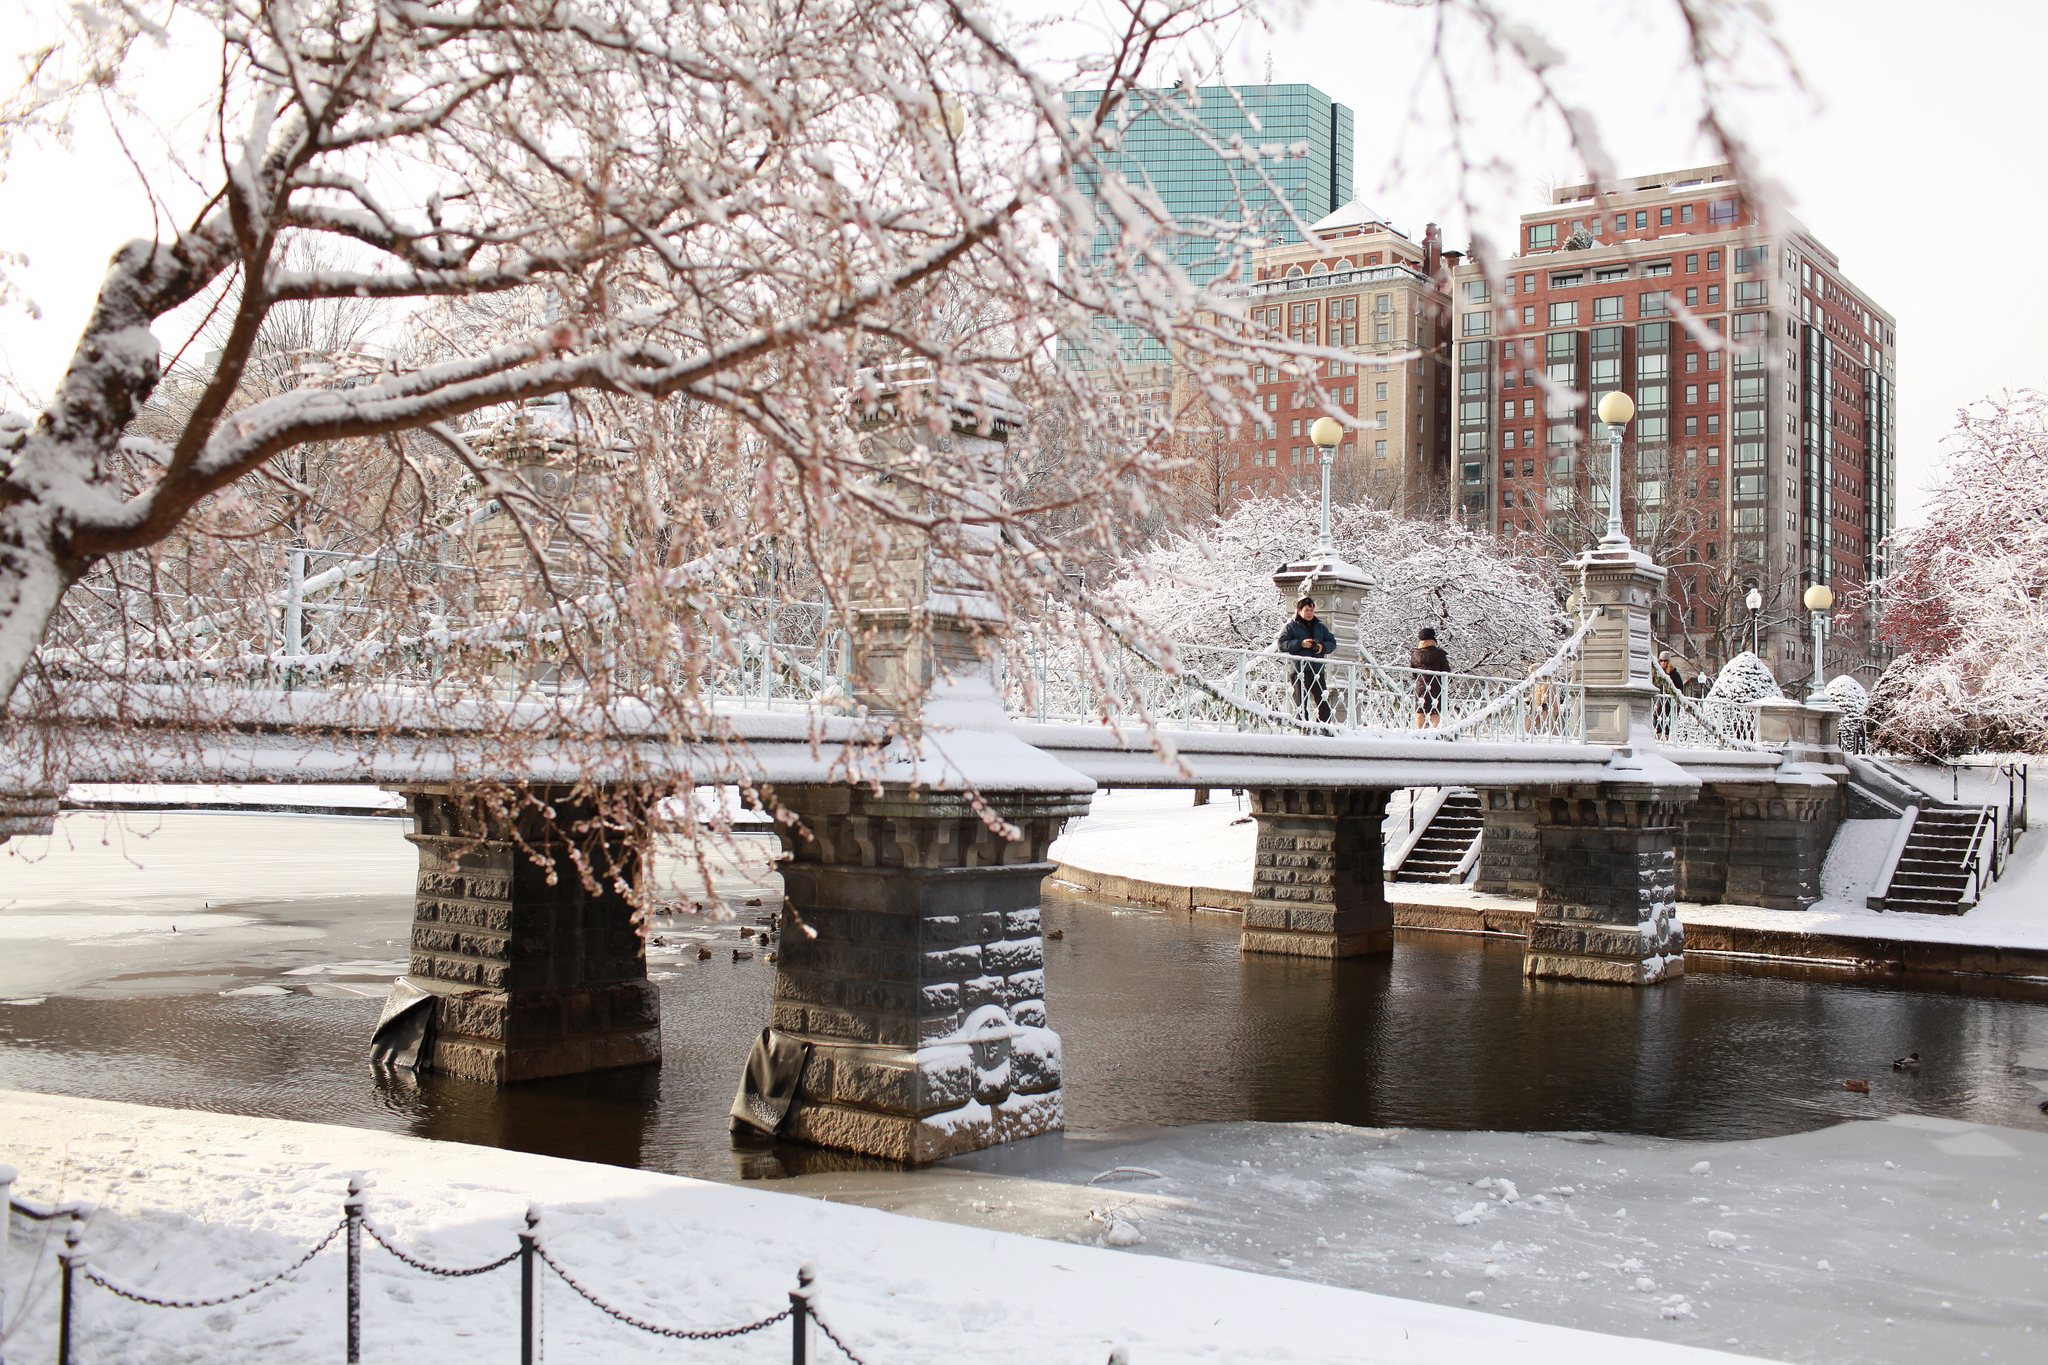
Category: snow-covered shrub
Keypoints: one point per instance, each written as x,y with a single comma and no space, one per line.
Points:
1745,678
1969,597
1493,610
1848,694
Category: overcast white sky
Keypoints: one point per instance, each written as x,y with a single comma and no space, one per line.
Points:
1913,157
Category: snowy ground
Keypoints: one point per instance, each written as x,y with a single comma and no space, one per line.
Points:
1868,1241
1159,836
195,1203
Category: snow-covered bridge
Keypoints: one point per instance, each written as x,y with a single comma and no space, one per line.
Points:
910,967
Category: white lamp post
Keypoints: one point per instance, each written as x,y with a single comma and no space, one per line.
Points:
1615,410
1818,599
1755,602
1326,432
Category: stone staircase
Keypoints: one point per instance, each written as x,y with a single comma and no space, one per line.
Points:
1933,872
1443,853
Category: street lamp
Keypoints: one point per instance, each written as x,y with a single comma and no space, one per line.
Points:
1818,599
1326,432
1615,410
1755,603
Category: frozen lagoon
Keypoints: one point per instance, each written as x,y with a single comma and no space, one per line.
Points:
1166,1024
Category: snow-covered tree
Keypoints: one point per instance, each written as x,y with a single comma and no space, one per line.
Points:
1745,678
1494,611
1849,694
675,281
1967,597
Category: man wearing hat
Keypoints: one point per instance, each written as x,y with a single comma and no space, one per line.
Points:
1429,663
1310,642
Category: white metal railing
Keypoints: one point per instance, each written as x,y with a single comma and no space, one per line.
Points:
1711,723
1204,687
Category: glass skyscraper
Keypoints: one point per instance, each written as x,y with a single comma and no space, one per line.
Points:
1197,185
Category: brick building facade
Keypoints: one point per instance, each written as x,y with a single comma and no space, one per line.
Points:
1762,453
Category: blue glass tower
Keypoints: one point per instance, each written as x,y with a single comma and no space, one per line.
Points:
1197,185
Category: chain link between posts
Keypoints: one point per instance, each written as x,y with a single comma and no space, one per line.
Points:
833,1337
443,1271
679,1333
137,1296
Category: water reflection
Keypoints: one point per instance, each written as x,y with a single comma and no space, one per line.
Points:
1165,1023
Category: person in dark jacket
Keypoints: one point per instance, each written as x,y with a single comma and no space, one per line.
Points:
1425,659
1310,642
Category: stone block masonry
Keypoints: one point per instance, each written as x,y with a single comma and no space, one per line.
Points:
911,960
1508,854
538,975
1606,905
1778,839
1318,889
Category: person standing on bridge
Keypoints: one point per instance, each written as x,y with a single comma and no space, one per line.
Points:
1310,642
1429,663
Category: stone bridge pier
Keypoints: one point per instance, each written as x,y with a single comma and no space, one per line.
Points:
1317,886
911,961
537,974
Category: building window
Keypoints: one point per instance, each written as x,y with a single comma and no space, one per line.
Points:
1564,315
1507,469
1714,391
1475,291
1652,303
1750,293
1685,213
1380,420
1713,456
1748,258
1571,281
1713,261
1721,213
1380,329
1563,434
1692,426
1713,424
1617,273
1543,236
1692,298
1692,392
1663,217
1621,222
1692,264
1642,221
1379,450
1604,310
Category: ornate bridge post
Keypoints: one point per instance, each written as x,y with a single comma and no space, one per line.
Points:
1317,888
1607,852
910,955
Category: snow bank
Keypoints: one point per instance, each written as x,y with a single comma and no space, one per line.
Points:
190,1202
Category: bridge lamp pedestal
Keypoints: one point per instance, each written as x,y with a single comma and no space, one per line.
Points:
1606,853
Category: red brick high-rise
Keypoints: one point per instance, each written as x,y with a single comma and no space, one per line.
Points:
1762,454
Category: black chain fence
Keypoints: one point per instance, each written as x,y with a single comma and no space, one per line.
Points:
76,1270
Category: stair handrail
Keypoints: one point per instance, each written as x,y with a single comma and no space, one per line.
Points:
1978,850
1882,887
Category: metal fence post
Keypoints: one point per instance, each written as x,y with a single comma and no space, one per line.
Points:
73,1258
800,1315
352,1212
529,1288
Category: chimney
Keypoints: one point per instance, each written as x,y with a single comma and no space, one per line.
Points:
1432,249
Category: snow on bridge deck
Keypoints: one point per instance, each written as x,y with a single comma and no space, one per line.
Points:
314,737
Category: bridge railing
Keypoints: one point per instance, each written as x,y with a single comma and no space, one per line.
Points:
1707,723
1217,688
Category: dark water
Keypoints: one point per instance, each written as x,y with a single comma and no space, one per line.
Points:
1164,1023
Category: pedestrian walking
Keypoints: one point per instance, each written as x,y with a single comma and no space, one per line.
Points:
1429,664
1310,642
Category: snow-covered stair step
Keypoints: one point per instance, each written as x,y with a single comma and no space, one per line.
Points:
1445,850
